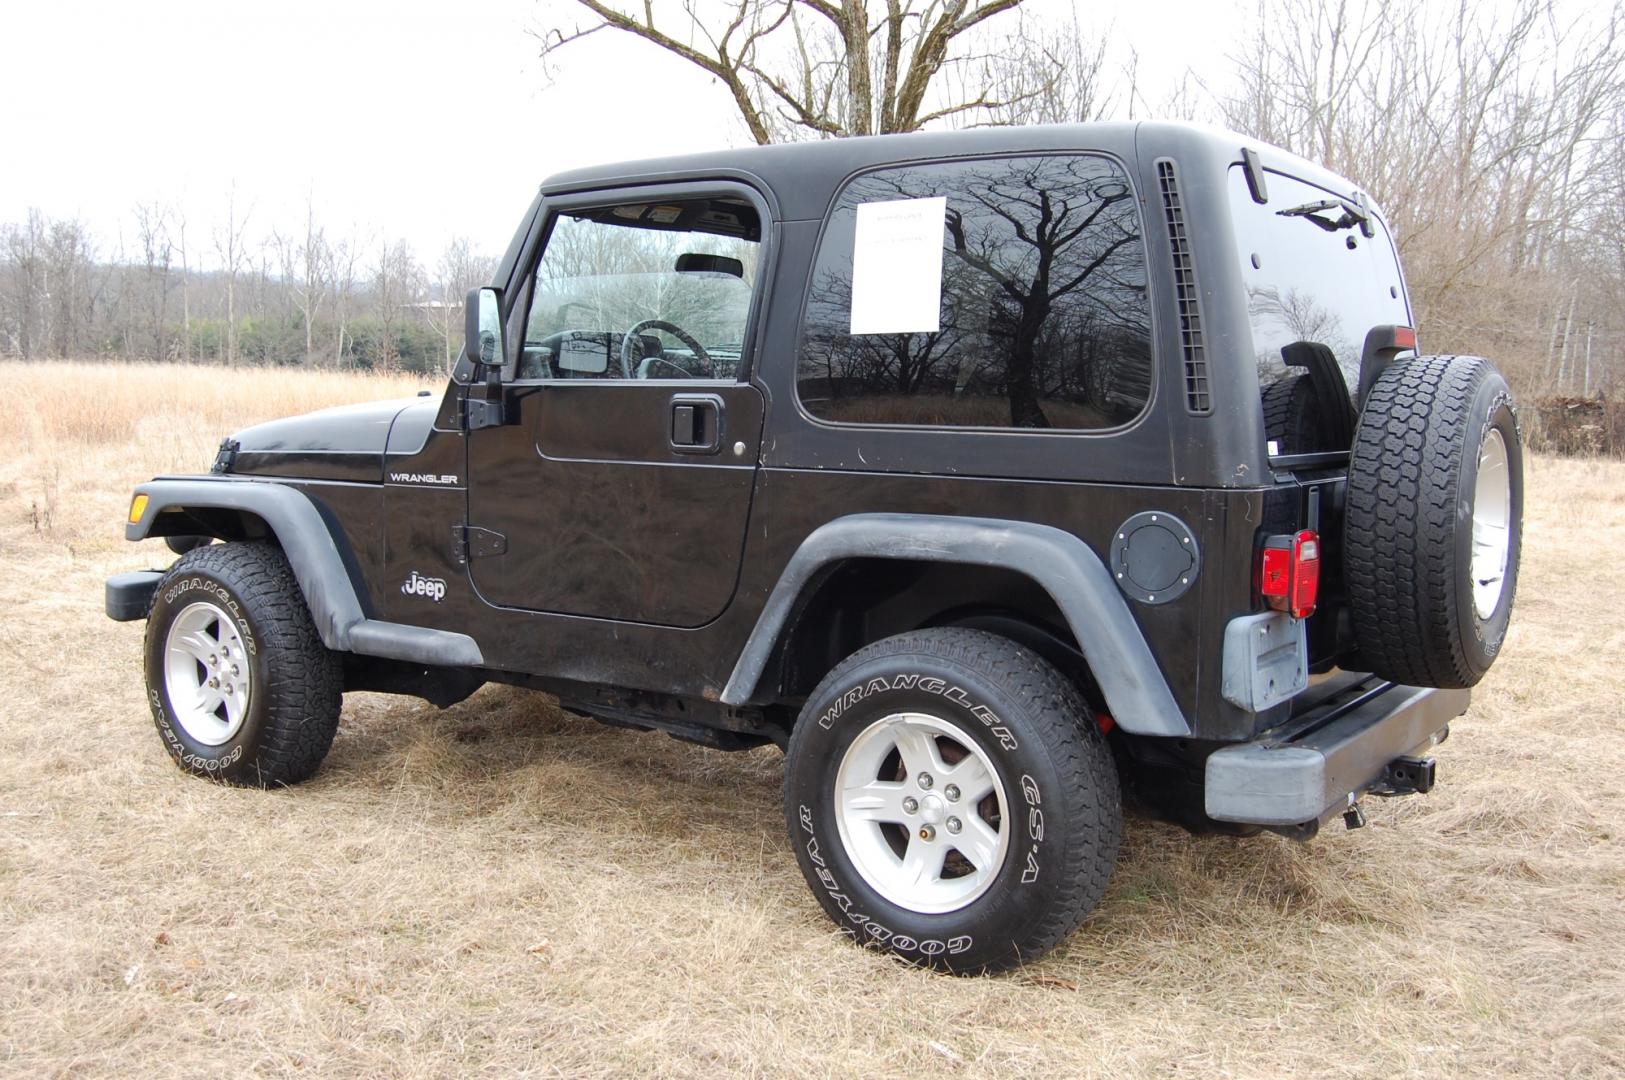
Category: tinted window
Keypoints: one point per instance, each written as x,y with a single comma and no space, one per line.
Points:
1310,284
1044,318
679,273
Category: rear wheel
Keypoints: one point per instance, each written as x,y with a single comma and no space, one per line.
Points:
241,688
950,800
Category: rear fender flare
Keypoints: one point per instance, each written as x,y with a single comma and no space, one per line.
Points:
1068,569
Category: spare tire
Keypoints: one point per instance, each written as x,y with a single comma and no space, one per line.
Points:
1433,521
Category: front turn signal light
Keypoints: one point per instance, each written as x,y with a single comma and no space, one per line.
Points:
138,506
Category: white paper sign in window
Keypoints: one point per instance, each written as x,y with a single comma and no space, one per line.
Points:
897,267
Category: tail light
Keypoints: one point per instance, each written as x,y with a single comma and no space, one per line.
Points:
1289,573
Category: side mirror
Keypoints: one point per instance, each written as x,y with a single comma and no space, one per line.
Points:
482,328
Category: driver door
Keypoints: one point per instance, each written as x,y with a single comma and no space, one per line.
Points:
619,486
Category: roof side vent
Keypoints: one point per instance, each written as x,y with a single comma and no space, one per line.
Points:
1198,395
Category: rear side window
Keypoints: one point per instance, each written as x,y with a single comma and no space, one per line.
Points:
1038,317
1310,278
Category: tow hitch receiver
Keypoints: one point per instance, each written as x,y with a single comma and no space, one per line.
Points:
1406,776
1402,776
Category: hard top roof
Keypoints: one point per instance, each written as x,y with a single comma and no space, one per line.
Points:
802,176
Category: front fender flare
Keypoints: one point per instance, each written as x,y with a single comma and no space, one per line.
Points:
317,566
1068,569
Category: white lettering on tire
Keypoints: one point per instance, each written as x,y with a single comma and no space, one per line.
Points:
865,924
187,757
925,684
1035,826
222,598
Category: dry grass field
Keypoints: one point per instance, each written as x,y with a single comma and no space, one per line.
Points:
502,888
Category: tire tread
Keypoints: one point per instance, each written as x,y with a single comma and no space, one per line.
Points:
1400,562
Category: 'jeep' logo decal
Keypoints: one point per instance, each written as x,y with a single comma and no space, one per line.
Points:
418,585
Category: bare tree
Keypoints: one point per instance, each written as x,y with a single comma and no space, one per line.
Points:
186,285
157,253
342,262
1053,74
306,265
26,318
820,68
228,244
459,270
396,281
69,298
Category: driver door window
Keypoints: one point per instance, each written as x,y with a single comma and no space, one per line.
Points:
643,291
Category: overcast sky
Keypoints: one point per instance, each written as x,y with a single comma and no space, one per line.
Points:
400,118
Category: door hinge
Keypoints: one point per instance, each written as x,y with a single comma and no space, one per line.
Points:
472,542
226,456
482,413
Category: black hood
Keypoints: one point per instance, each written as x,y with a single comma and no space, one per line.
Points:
344,443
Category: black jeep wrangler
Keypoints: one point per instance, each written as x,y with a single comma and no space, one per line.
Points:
995,476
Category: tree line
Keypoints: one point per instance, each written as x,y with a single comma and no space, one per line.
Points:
230,295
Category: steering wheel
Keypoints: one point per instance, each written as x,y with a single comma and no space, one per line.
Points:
671,328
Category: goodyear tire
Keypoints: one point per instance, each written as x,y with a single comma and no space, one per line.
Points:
241,688
951,800
1432,532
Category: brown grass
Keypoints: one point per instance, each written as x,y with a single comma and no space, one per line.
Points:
502,888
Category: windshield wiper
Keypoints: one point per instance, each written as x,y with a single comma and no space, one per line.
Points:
1352,214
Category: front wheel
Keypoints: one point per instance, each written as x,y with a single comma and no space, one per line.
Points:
241,688
950,800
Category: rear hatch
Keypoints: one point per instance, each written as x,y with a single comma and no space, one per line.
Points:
1321,274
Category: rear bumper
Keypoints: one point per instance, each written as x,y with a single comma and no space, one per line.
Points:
1337,746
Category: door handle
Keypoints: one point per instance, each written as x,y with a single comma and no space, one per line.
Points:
696,423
